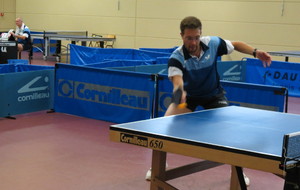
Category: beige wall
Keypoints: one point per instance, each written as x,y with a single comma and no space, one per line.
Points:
8,7
155,23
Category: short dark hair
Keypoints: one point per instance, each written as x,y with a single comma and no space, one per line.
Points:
190,22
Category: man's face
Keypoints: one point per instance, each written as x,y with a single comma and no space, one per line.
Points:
191,40
19,23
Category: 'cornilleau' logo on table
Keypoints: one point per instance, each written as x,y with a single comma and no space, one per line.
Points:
134,139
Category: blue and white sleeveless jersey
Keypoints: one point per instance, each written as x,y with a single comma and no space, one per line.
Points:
200,75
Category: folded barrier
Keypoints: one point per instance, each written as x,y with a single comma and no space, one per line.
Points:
81,55
163,50
120,63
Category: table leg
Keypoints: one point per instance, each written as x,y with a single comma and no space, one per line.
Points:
234,182
158,168
237,179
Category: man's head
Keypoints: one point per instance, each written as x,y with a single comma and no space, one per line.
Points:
190,22
19,22
191,30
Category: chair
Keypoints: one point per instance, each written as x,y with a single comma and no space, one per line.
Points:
109,43
96,44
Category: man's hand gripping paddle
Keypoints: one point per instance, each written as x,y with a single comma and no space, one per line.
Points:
176,99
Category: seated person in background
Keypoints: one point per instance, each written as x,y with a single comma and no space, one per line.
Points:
22,35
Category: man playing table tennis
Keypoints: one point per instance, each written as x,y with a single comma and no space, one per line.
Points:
192,68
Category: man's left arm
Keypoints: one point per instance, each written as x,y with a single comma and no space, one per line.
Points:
247,49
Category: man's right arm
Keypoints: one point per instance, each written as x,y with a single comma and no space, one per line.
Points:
175,73
177,82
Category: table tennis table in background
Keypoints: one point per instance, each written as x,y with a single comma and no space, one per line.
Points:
285,54
238,136
71,36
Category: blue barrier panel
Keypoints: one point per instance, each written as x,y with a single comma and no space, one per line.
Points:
248,95
256,96
24,92
128,94
232,70
104,94
239,94
286,74
81,55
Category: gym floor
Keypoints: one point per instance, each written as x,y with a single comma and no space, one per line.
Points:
46,151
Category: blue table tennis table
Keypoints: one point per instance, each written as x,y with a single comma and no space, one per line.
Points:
238,136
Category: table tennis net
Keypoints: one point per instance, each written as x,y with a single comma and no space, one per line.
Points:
291,146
